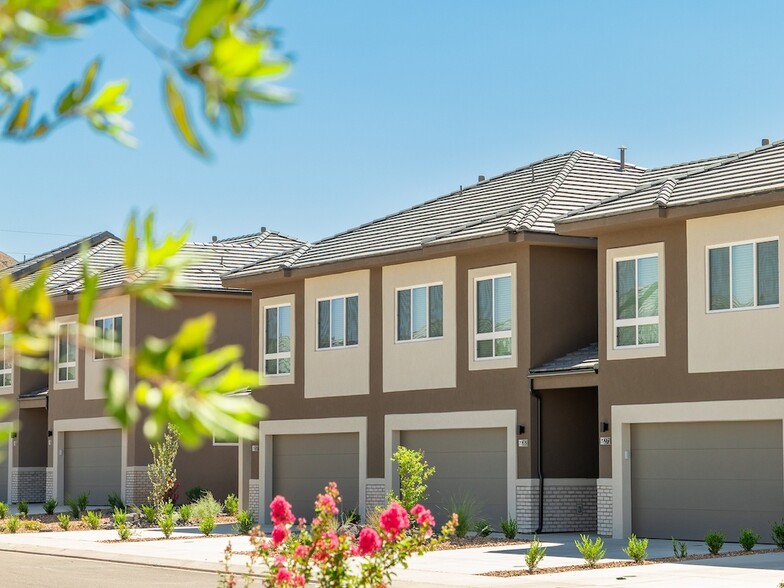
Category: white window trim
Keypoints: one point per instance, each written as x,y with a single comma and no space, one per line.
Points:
755,306
10,370
492,336
216,443
122,349
636,321
345,315
280,354
411,318
66,364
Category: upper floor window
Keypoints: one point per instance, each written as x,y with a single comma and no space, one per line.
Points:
637,301
231,440
420,312
66,353
277,340
743,275
493,324
6,360
108,333
338,322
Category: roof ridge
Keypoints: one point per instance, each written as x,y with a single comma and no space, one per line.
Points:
663,197
540,205
296,255
473,223
77,260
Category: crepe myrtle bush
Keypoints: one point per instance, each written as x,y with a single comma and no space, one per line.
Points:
295,554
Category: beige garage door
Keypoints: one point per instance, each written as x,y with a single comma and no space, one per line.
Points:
303,464
689,478
4,472
92,463
468,462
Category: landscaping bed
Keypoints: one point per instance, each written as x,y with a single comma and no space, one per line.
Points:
49,523
471,542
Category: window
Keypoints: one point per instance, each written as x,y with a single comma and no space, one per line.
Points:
66,353
743,275
338,322
108,334
637,301
218,440
6,360
493,324
277,340
420,312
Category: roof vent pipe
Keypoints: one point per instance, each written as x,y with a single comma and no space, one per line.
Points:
622,149
765,142
263,229
481,179
214,238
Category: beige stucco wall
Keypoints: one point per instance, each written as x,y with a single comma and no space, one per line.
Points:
276,301
741,339
94,369
495,363
421,364
341,371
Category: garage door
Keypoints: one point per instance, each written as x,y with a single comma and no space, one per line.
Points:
4,472
92,463
468,462
303,464
689,478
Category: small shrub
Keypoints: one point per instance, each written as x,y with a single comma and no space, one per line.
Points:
509,528
715,541
23,508
748,539
592,551
3,510
161,472
115,501
120,517
244,522
231,505
204,507
207,525
195,493
465,509
482,528
349,517
149,513
185,513
73,504
777,533
13,524
123,532
167,524
82,501
535,554
167,508
413,472
49,506
64,520
33,525
93,519
637,549
679,549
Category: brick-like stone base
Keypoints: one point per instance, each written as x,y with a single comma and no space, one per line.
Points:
49,483
604,507
568,507
27,484
527,503
137,485
375,494
253,498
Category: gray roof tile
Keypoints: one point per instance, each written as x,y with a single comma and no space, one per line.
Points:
584,359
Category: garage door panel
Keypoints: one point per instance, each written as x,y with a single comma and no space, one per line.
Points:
483,465
710,464
299,466
694,494
4,475
92,462
708,435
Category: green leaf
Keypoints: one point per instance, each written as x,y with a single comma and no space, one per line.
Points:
194,333
68,100
206,15
21,116
131,244
179,115
110,98
88,295
41,128
236,117
88,79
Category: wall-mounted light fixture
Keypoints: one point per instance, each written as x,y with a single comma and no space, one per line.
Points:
48,433
521,429
13,435
604,426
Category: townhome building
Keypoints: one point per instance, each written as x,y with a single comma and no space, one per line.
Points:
465,327
691,348
62,442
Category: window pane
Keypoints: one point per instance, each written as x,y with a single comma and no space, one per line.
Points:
503,303
503,346
403,315
626,336
648,286
271,366
271,331
768,273
71,373
484,306
284,366
742,275
338,312
419,313
62,374
70,330
484,348
719,268
323,324
648,334
284,329
624,290
118,334
352,320
436,318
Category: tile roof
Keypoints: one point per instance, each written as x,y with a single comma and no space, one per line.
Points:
729,176
585,359
6,260
526,199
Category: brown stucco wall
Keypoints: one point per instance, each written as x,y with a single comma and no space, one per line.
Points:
569,433
32,439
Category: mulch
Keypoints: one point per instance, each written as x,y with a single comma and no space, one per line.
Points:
470,542
178,538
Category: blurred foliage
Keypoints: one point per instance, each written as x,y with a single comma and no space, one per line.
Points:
176,380
220,50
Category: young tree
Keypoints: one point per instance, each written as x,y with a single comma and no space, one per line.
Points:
162,473
413,471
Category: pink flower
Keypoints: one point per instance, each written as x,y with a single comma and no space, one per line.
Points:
280,560
423,516
299,580
394,520
326,504
283,577
280,511
369,542
279,534
301,551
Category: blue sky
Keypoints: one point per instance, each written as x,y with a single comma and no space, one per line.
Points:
402,102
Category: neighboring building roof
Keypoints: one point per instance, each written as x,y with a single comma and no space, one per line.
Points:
526,199
730,176
6,260
33,394
582,360
104,255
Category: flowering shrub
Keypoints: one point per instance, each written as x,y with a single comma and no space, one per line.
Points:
295,555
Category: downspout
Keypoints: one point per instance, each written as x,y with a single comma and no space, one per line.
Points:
538,395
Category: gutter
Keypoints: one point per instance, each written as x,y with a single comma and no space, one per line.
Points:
538,395
563,372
